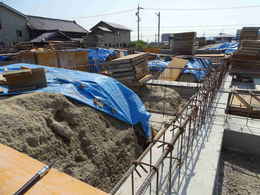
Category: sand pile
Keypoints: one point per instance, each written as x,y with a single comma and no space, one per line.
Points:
86,144
158,98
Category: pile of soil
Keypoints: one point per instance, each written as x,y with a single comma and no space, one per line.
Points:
84,143
239,174
160,99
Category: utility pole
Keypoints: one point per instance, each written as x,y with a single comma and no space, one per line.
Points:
159,26
138,21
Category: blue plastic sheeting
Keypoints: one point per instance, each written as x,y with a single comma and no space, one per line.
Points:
98,56
157,65
197,63
119,101
226,47
3,58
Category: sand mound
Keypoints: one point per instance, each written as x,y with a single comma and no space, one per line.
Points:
158,98
86,144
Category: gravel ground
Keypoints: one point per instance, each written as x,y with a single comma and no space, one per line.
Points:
239,174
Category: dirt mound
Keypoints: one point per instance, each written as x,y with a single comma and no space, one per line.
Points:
86,144
159,98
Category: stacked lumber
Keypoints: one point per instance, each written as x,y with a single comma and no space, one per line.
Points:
249,33
55,45
183,43
61,45
25,79
128,69
69,59
247,58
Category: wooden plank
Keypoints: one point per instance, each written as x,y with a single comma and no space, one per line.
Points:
25,79
47,59
17,168
170,74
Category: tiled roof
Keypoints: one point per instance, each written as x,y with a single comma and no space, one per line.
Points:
48,24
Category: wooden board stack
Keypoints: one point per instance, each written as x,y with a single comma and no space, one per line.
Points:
128,69
249,33
25,79
247,58
183,43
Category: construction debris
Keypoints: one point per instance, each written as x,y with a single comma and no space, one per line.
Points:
84,143
183,43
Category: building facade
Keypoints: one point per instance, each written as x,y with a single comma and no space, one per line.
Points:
113,35
17,27
13,26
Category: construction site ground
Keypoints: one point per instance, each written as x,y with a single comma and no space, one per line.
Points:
239,173
84,143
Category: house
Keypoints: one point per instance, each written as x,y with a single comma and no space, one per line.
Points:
39,25
110,34
13,26
17,27
166,37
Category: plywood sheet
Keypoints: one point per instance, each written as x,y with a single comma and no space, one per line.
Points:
17,168
236,102
47,59
171,74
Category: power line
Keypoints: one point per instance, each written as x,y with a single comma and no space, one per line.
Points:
106,14
203,9
204,26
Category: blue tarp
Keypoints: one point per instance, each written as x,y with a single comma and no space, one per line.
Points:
157,65
226,47
198,63
119,101
3,58
99,55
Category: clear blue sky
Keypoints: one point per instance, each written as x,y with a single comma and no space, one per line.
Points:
208,22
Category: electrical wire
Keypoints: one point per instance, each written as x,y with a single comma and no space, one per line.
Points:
203,9
107,14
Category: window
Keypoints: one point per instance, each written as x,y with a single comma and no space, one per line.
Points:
0,24
19,33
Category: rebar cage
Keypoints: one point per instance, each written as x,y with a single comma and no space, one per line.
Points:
163,166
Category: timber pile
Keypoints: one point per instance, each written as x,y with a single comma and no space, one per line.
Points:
24,79
69,59
128,69
249,33
57,45
183,43
247,58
